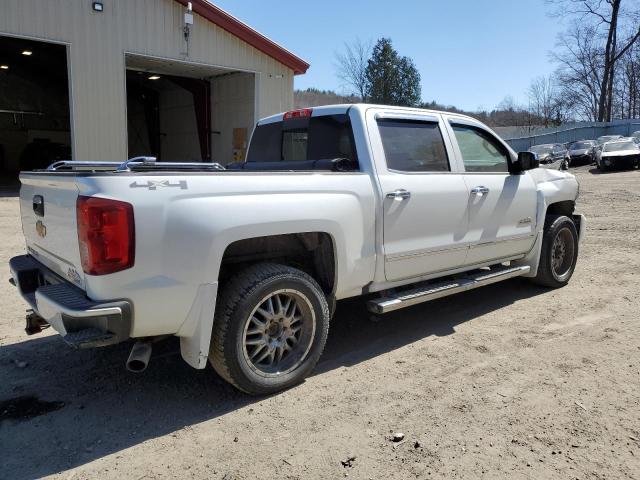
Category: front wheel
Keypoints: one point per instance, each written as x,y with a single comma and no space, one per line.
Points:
270,328
559,252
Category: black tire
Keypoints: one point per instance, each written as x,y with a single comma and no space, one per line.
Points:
561,229
238,309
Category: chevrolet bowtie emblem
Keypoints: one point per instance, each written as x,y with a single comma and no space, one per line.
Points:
41,228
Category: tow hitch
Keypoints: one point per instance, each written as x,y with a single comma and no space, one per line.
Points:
35,323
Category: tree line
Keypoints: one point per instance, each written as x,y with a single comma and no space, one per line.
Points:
597,75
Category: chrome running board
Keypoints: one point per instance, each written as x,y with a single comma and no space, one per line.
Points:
432,291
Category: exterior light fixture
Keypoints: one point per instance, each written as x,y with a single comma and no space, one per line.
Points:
27,53
98,6
154,77
4,67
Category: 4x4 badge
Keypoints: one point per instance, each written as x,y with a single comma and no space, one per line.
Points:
154,184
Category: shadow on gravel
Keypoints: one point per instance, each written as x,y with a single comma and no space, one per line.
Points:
65,408
355,337
597,171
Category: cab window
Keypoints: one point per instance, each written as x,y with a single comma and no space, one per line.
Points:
481,151
413,146
303,140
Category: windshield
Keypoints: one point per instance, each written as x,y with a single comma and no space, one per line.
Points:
581,145
541,149
619,146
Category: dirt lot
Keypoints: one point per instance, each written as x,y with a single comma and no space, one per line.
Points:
509,381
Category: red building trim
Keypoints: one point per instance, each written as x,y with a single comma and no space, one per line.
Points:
244,32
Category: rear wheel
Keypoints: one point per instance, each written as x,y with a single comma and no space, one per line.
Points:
559,252
269,329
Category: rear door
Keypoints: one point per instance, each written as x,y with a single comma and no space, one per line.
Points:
501,206
424,195
48,214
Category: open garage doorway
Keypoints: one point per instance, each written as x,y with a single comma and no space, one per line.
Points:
35,125
188,112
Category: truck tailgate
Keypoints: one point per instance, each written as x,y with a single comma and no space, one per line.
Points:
48,213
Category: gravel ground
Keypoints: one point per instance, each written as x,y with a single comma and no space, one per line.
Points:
508,381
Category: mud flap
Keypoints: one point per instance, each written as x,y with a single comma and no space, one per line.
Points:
195,332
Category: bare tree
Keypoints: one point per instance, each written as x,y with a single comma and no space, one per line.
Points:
545,101
351,65
580,70
609,21
627,85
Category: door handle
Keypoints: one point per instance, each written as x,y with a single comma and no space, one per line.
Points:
479,191
399,194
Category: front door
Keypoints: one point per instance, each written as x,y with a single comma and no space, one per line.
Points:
502,207
425,198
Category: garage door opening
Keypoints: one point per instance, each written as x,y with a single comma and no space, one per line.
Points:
35,126
169,117
184,112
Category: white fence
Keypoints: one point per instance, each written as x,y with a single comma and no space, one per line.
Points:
582,132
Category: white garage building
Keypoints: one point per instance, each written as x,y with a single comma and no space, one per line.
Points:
114,79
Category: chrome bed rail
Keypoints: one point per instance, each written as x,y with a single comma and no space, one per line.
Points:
135,164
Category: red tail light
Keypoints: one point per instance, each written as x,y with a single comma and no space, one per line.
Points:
106,235
305,112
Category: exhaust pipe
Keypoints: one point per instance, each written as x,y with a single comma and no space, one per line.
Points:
139,357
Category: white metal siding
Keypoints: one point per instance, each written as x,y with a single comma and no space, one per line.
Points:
97,45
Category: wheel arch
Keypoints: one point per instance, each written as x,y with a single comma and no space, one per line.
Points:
312,252
562,207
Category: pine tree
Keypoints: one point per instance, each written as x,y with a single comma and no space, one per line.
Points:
391,79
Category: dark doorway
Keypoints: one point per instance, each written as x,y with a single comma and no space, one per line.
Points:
35,125
168,117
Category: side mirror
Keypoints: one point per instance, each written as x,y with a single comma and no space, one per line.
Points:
525,161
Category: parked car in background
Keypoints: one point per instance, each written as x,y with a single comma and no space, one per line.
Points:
552,155
622,153
607,138
245,264
582,153
600,142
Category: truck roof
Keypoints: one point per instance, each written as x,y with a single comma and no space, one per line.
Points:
344,107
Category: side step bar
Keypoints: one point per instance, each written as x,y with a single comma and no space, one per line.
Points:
432,291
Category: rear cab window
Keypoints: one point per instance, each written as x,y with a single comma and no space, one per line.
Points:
301,142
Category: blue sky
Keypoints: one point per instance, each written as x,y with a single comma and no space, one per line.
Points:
470,53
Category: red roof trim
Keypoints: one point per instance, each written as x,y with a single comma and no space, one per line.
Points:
244,32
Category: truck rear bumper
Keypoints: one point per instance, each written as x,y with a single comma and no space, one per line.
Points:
82,322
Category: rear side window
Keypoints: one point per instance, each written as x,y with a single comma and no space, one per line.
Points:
481,152
300,139
411,146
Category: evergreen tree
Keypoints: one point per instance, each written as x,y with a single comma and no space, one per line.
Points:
391,79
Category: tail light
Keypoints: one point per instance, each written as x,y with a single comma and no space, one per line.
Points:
106,234
302,113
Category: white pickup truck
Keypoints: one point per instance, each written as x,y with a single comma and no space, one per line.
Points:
244,264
